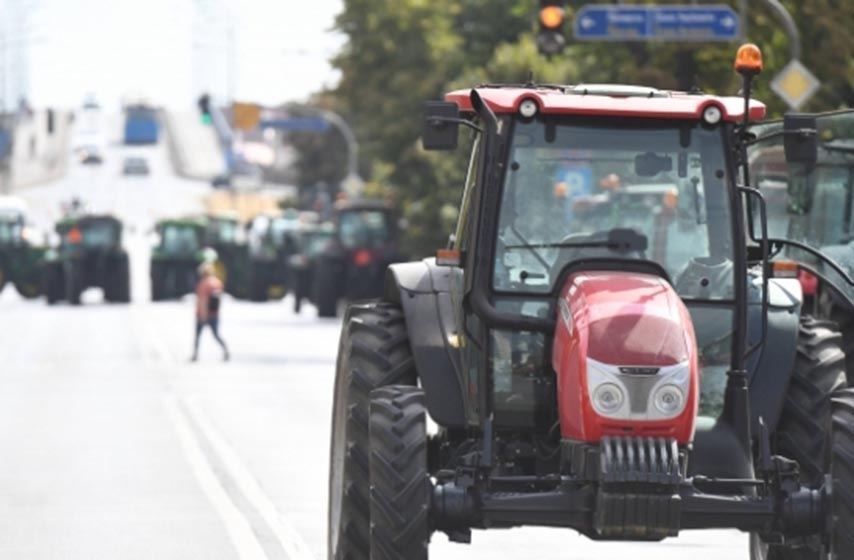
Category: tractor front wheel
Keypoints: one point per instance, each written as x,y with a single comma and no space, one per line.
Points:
373,352
400,487
807,428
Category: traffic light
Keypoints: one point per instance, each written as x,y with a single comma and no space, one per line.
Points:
551,16
205,108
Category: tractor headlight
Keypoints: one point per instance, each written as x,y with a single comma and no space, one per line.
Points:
669,400
608,399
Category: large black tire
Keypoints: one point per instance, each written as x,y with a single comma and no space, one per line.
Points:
400,487
118,286
157,281
326,292
73,282
803,430
298,290
373,352
818,373
29,286
52,282
258,282
4,275
845,319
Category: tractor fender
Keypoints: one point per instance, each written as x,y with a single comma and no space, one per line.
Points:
423,291
770,368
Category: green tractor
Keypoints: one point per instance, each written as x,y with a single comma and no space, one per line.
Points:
353,265
272,241
813,204
312,241
224,234
20,262
89,254
174,260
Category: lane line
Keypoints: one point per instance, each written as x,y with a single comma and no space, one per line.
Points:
239,531
293,544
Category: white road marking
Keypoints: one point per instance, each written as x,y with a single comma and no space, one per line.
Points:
288,537
238,528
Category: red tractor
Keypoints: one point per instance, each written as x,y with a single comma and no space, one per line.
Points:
609,343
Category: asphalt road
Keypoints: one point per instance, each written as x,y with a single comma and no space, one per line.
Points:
113,445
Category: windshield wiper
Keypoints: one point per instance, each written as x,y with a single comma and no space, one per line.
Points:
619,240
527,245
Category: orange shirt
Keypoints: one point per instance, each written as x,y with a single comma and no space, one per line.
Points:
206,286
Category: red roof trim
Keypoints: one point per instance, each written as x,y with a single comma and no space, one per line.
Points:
676,106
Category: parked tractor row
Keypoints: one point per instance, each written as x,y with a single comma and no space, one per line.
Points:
264,259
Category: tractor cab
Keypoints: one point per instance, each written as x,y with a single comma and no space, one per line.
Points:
20,260
90,254
226,235
272,241
609,343
354,264
12,225
180,249
180,238
811,214
90,233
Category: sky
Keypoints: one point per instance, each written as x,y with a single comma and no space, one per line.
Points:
169,51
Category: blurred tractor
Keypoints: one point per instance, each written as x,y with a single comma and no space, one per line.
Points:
312,241
225,234
20,262
272,241
176,257
813,205
353,265
89,254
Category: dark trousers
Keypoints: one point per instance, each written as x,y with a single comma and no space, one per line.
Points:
213,323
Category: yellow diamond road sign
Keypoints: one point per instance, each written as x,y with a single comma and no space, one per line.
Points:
795,84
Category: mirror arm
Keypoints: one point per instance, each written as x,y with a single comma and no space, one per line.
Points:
437,121
802,132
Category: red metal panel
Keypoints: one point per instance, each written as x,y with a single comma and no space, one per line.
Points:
676,105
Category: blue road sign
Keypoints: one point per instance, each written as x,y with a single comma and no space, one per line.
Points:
657,23
294,124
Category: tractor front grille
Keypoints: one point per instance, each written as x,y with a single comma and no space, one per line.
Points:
639,388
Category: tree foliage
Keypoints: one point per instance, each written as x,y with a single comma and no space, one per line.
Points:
399,53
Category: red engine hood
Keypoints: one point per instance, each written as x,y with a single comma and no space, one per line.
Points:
631,330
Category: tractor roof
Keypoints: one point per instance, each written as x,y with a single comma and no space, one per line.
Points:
86,219
188,221
608,100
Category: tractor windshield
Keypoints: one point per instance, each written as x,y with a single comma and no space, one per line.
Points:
180,239
11,230
363,228
570,183
94,235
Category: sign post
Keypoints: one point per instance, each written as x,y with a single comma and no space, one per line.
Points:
795,84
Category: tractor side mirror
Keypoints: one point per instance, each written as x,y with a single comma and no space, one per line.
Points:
800,138
441,125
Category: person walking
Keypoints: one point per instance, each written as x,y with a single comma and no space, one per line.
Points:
208,298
